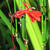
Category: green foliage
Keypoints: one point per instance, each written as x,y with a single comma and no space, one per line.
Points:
29,31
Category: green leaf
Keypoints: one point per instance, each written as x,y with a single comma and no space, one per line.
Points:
5,19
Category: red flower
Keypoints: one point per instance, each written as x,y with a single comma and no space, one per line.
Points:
34,15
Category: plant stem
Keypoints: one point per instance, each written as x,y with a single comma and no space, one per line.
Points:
49,21
8,6
15,12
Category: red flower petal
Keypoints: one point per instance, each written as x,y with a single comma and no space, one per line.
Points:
33,16
37,13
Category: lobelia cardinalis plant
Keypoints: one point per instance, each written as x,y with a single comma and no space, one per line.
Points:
33,15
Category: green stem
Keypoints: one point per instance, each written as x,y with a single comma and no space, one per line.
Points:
49,21
8,6
15,12
49,10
